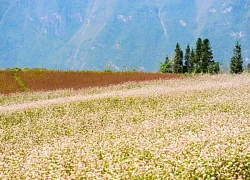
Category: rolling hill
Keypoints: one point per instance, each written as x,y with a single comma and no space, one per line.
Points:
189,128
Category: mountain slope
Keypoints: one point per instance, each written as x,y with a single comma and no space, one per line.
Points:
88,34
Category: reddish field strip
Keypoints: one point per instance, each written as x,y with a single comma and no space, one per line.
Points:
52,80
8,83
36,80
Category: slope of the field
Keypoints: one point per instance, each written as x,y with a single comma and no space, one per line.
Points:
37,80
52,80
190,128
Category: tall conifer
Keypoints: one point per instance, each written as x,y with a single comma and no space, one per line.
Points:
187,58
178,60
236,63
206,56
192,61
198,55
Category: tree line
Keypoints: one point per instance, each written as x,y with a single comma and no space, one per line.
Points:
200,60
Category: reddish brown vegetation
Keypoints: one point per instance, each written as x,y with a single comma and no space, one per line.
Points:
36,80
8,83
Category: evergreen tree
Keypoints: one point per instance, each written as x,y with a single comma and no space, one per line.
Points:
214,67
199,60
192,61
178,60
217,68
166,67
206,56
187,58
198,55
237,60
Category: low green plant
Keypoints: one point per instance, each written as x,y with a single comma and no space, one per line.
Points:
167,66
18,79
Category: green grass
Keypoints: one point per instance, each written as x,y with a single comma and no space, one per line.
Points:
20,82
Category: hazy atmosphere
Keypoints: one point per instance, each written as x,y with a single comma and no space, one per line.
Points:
87,34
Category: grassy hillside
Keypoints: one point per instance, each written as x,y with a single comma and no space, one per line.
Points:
17,80
191,128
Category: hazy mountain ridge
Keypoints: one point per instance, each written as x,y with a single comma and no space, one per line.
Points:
88,34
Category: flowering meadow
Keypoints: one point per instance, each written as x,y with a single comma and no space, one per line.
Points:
190,128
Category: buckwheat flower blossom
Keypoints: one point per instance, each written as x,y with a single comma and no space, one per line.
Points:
190,128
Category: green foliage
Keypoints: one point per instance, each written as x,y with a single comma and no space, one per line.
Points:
206,56
198,50
178,60
14,69
166,67
199,60
192,62
187,59
19,80
213,68
236,63
198,55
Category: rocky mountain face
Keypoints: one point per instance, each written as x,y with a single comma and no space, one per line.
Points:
88,34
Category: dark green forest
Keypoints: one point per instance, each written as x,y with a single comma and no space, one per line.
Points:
200,60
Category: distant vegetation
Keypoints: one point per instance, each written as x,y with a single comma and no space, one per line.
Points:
236,63
200,60
194,61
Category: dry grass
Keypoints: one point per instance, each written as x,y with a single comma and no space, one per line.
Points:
192,128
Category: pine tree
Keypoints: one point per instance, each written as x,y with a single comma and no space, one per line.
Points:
198,55
199,60
187,58
237,60
192,61
178,60
206,56
214,68
217,68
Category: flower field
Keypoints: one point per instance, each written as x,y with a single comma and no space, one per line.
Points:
190,128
